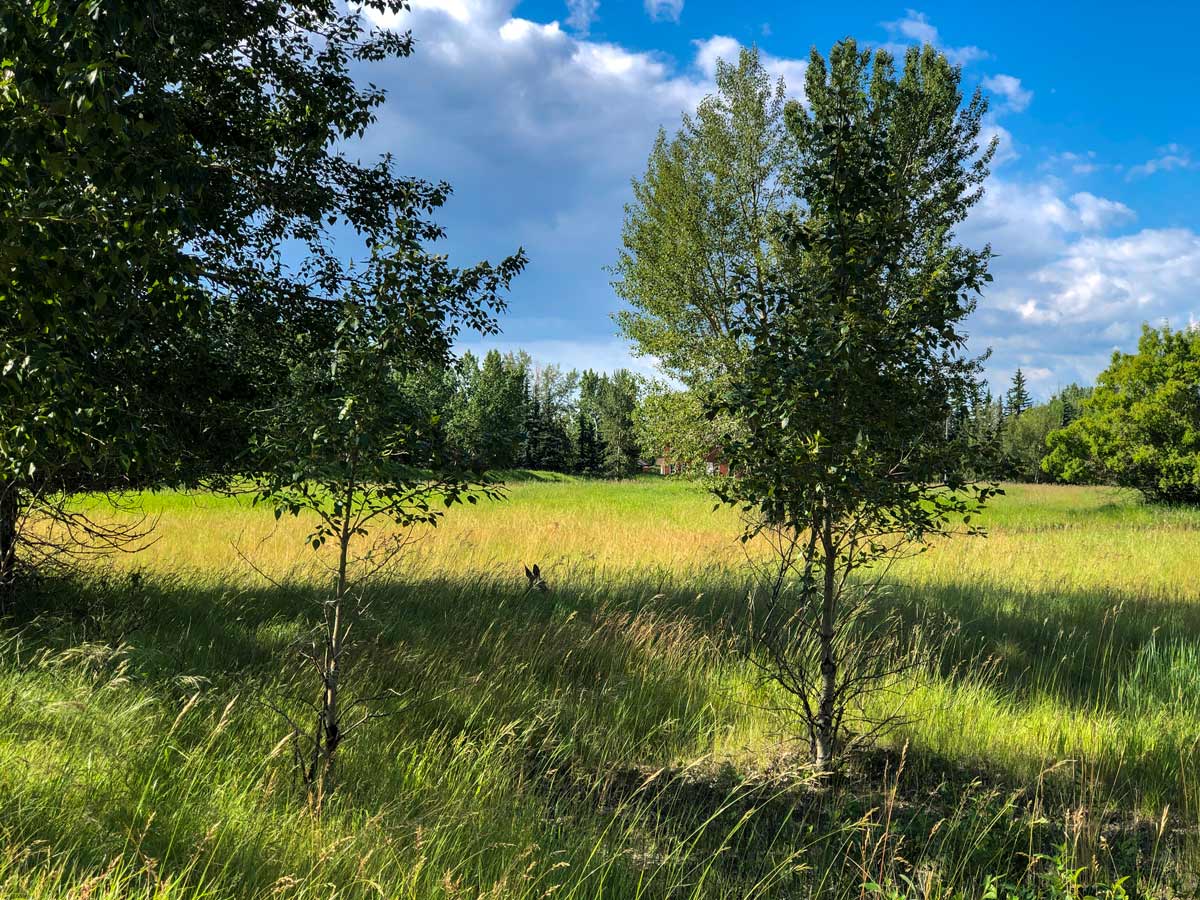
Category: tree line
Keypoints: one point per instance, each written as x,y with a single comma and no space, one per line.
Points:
1011,430
506,411
1138,427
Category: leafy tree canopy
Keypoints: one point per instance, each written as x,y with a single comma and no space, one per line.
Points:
701,215
856,358
857,349
1140,428
155,160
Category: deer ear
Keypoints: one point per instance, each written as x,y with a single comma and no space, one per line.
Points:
528,574
537,572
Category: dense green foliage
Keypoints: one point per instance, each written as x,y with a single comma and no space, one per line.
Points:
703,219
487,418
1023,437
513,412
1140,428
672,423
156,159
1009,435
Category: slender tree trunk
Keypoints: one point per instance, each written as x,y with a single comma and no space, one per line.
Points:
9,510
825,738
335,644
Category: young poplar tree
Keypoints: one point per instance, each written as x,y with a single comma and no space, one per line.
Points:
155,156
702,218
348,444
856,355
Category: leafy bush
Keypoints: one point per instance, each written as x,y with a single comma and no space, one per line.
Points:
1141,426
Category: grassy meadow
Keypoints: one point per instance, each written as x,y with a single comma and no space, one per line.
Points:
605,739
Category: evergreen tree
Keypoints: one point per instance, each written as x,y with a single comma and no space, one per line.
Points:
488,419
533,450
1072,397
591,457
1018,397
618,398
587,453
557,452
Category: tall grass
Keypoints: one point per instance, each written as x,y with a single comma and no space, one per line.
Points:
603,739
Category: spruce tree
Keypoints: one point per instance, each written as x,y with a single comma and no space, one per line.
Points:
1018,397
588,451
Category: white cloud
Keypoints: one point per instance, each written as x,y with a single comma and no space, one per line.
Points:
459,10
581,14
539,130
1067,292
916,27
518,31
1016,98
1097,213
664,9
1076,163
710,50
491,98
1144,276
1173,157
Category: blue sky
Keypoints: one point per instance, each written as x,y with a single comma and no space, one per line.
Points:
540,113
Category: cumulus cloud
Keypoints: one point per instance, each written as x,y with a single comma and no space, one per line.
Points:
1067,290
1172,158
1097,213
1149,275
915,27
459,10
1027,218
539,130
710,50
664,9
1016,98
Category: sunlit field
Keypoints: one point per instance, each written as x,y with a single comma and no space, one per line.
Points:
605,738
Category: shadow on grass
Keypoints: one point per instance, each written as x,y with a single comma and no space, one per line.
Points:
586,691
1093,651
656,632
520,476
